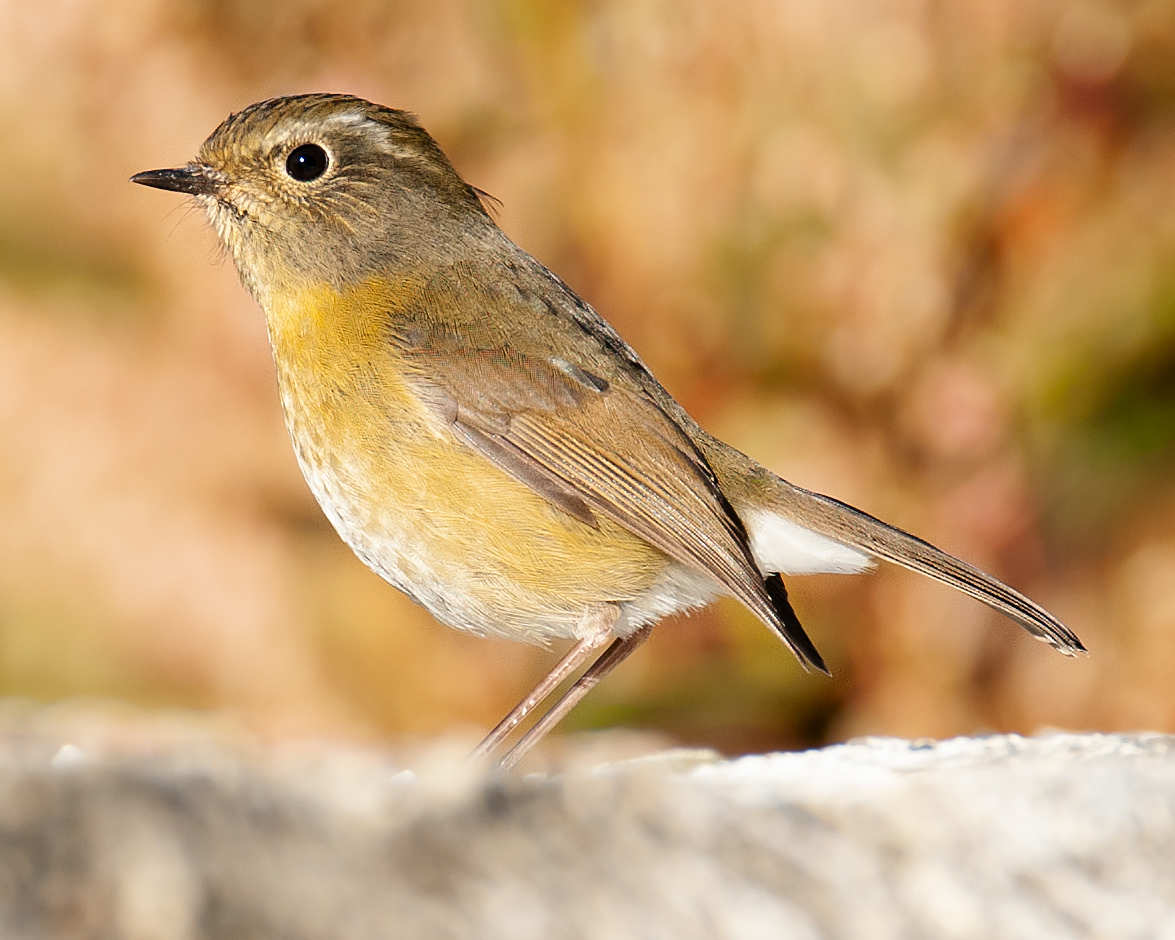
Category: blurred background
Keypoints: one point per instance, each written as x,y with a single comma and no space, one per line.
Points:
919,256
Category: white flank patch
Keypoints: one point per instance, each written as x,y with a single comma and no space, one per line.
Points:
783,546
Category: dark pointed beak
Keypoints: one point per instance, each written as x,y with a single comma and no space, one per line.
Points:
195,179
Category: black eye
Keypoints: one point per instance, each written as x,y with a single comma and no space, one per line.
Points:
307,162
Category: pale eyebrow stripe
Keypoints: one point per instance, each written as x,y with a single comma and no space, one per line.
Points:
353,118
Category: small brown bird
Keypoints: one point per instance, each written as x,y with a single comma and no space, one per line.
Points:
479,435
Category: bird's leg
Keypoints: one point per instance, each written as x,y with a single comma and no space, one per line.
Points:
613,656
598,624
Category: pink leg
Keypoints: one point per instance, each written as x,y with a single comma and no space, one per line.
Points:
612,657
599,623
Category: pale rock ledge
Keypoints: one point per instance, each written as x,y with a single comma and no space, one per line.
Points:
204,836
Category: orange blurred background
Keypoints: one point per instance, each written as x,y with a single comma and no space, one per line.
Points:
918,256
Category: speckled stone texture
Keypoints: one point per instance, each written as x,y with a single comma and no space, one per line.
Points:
193,836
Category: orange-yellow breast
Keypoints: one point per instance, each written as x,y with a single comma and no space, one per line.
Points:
477,547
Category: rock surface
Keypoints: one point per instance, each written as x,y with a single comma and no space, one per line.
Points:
1005,837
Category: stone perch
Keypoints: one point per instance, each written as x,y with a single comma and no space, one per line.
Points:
206,836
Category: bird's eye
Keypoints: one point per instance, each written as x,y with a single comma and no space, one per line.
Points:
307,162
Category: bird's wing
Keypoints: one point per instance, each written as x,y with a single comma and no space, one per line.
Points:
588,443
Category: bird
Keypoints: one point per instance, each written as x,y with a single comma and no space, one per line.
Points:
480,436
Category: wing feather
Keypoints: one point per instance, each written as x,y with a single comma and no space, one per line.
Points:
592,445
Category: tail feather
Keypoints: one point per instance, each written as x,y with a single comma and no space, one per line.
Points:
843,523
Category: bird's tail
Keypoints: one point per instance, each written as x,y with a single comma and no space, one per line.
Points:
845,538
850,526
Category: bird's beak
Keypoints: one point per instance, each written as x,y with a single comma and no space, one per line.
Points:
195,179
